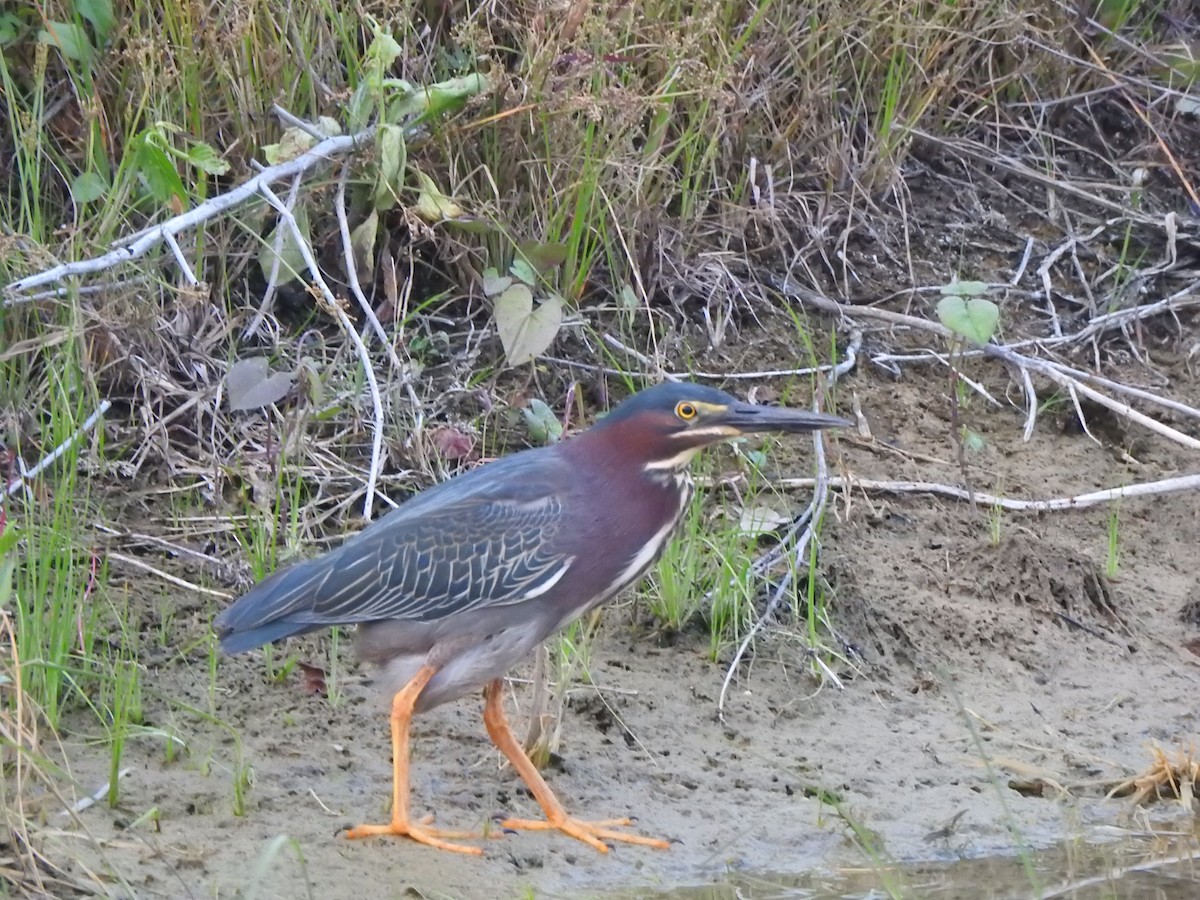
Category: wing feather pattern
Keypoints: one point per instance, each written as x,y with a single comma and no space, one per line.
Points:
468,543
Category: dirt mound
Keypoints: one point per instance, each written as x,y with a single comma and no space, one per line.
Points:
1015,599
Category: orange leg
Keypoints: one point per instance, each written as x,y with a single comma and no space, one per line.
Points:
593,833
401,825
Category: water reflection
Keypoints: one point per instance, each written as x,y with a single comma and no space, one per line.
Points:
1144,866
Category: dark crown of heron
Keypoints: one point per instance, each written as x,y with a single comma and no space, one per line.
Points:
663,427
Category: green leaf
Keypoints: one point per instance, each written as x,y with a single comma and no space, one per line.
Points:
432,204
309,377
628,297
369,93
87,187
361,105
965,289
249,384
362,242
543,256
10,27
524,331
8,539
436,99
71,40
470,225
756,458
291,260
975,319
393,156
542,423
294,142
453,92
524,271
100,14
203,157
384,49
493,282
157,171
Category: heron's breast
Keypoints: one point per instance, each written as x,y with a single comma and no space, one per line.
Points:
629,533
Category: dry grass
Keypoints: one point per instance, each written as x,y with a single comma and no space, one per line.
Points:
672,147
30,790
1164,779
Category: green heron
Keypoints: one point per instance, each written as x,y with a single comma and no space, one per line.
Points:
460,583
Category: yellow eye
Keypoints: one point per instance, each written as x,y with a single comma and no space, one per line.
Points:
685,411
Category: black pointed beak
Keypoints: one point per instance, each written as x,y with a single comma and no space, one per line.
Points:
749,418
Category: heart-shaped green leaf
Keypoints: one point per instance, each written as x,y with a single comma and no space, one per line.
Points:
87,187
250,385
974,319
494,283
157,172
964,289
524,331
543,424
524,271
628,298
206,159
100,14
70,39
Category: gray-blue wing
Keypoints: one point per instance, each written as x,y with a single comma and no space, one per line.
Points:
468,543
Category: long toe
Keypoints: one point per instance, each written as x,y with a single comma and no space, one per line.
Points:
422,834
594,834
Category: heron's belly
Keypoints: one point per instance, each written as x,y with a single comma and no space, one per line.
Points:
465,664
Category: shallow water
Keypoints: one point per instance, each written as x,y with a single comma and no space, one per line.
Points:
1149,866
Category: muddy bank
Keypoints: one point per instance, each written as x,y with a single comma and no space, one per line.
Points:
995,654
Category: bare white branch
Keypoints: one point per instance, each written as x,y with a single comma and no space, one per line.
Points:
1174,485
336,310
402,371
50,458
137,245
798,536
1071,380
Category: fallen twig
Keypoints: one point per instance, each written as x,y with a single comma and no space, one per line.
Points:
335,309
1079,501
1064,376
268,297
402,371
798,536
137,245
167,576
92,799
28,474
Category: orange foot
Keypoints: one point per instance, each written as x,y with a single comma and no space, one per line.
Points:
592,833
419,832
